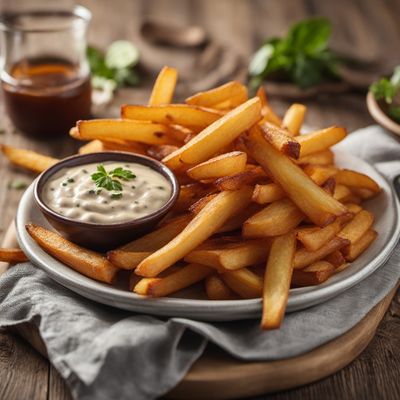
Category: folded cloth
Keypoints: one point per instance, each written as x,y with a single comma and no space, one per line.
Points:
106,353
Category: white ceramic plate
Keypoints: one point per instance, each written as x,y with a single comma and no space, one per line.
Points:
385,208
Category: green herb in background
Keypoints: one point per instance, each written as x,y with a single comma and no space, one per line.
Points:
107,180
17,185
302,57
115,67
388,90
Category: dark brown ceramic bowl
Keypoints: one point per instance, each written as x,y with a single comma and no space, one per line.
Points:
104,237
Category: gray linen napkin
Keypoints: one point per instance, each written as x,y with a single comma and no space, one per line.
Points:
105,353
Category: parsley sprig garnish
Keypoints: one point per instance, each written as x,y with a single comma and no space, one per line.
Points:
111,180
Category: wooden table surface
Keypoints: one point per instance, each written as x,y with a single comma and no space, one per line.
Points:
366,29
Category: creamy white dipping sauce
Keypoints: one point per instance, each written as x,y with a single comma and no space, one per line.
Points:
72,193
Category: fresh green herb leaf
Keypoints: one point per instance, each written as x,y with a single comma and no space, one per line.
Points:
107,180
394,113
302,57
121,54
383,90
17,185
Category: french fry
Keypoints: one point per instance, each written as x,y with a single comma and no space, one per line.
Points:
266,111
313,201
320,173
342,193
217,135
159,152
94,146
364,194
201,203
329,186
236,221
356,180
355,249
281,139
176,114
205,223
342,267
268,193
28,159
336,259
133,253
224,165
277,280
139,131
219,95
293,118
87,262
177,280
278,218
303,258
180,133
357,227
324,157
244,282
314,274
237,181
123,145
353,208
320,140
12,256
164,87
314,238
189,194
230,256
216,289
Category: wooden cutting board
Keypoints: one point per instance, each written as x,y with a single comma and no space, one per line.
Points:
216,375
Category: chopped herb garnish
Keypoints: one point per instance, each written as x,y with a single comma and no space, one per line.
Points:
78,205
64,183
161,187
91,191
116,196
84,171
105,202
133,187
136,202
17,184
70,180
110,180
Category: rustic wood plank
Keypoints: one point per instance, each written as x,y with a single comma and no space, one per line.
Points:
23,373
58,389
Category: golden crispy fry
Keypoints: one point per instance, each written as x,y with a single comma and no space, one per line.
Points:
177,280
219,95
244,282
342,193
319,173
353,208
94,146
293,118
159,152
268,193
357,180
355,249
180,133
281,139
87,262
266,111
320,140
277,280
342,267
222,255
190,194
217,135
132,254
319,206
303,258
164,87
357,227
364,194
237,221
139,131
314,238
12,256
278,218
201,203
216,289
314,274
176,114
224,165
204,224
123,145
237,181
329,186
325,157
336,259
27,159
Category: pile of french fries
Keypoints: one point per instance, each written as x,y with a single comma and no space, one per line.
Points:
262,207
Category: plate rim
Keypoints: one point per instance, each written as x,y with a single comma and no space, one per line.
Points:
198,308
